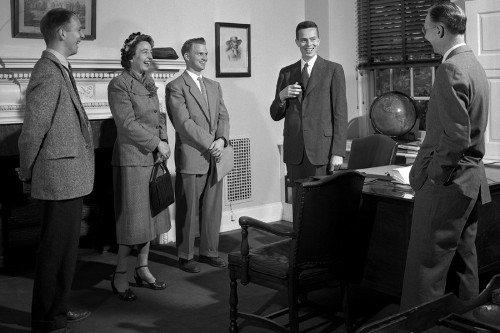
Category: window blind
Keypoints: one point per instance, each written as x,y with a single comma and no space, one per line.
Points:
390,34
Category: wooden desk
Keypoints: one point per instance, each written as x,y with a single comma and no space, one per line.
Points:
386,215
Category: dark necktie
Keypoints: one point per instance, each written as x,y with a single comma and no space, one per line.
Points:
203,89
85,122
72,79
305,76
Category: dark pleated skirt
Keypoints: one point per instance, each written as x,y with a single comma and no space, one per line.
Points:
134,224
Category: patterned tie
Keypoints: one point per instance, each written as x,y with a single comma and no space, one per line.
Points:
203,89
85,123
305,76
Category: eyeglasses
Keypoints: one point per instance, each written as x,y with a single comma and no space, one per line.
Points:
424,30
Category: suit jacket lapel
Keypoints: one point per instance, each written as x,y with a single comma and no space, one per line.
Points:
136,85
212,100
72,92
75,99
195,91
65,75
316,74
296,76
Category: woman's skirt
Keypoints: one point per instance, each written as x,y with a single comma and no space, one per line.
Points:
134,224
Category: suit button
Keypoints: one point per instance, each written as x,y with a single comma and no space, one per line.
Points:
157,127
155,111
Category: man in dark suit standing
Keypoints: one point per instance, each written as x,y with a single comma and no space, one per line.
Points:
57,157
310,95
448,175
201,121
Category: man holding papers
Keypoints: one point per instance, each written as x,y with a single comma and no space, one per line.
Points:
448,175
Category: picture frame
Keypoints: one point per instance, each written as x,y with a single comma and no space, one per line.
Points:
26,16
232,50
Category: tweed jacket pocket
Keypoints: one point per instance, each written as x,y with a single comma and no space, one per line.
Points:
327,131
55,153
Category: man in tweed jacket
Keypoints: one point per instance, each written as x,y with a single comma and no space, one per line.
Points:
57,157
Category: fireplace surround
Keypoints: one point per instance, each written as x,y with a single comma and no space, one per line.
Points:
19,220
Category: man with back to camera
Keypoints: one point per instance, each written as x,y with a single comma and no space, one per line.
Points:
57,156
311,96
201,121
448,174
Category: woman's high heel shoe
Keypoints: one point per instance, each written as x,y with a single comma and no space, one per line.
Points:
156,285
127,295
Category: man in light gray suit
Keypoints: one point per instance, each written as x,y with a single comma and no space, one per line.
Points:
197,111
448,174
57,157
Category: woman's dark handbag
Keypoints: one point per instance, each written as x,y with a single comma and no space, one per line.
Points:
161,192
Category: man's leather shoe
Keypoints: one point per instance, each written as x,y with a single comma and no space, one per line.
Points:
213,261
189,266
74,316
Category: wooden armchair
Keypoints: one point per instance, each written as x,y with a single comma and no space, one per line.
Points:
312,253
371,151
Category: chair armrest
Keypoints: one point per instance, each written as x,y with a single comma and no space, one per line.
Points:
247,221
275,229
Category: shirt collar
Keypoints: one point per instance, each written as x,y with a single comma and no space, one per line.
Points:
310,63
194,76
62,59
445,56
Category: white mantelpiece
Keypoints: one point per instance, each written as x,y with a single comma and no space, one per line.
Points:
92,77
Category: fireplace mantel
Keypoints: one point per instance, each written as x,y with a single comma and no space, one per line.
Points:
92,77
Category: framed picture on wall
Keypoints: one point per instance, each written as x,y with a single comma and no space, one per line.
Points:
232,50
26,16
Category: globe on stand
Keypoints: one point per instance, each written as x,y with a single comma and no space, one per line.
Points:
393,114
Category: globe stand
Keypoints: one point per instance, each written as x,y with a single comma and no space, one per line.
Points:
410,136
407,137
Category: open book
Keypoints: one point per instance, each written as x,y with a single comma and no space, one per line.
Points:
401,175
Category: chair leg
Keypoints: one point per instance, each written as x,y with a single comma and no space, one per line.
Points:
233,303
346,309
293,308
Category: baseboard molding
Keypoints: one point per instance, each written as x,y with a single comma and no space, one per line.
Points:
268,213
287,212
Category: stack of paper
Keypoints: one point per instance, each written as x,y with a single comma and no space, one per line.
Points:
401,175
409,148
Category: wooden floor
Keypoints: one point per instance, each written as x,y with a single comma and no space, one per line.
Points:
190,303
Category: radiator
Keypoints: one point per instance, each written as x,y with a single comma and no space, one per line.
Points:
238,183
